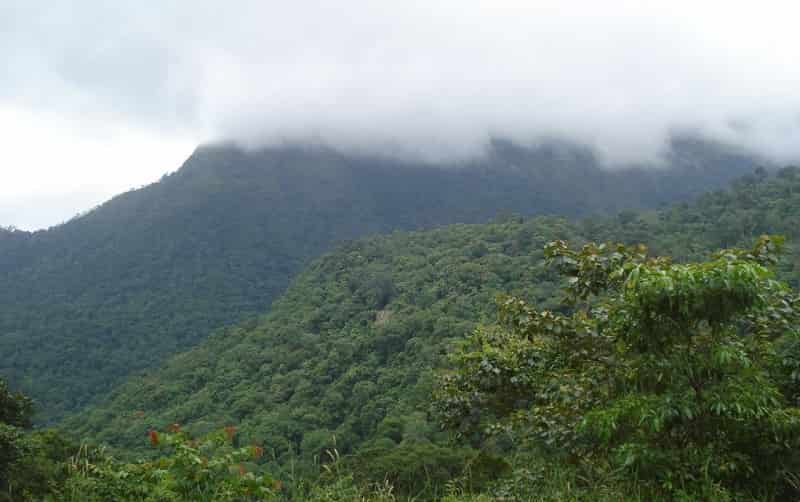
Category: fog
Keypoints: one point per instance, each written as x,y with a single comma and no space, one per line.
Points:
429,79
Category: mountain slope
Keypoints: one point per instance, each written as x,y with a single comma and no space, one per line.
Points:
155,270
351,342
349,350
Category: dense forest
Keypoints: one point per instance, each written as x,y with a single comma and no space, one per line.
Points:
154,271
358,251
342,389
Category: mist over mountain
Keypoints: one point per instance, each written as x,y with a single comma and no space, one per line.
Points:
438,78
155,270
116,90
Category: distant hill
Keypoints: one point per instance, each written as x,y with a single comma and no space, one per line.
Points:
154,271
349,350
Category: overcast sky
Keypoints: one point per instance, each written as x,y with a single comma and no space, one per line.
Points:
97,97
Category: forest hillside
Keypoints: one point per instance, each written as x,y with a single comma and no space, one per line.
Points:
154,271
351,350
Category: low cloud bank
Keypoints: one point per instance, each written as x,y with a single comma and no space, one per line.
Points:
433,79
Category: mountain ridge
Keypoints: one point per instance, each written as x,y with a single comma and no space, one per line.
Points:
155,270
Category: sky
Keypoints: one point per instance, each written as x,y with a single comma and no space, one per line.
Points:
99,97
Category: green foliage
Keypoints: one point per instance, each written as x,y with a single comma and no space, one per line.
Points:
787,365
206,469
12,449
15,415
663,373
16,409
329,361
655,379
420,468
333,364
40,472
30,461
155,271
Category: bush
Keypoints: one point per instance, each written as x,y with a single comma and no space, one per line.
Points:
665,373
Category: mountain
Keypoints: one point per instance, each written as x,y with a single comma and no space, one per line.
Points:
154,271
351,349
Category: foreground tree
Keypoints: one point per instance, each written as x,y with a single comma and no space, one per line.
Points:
210,468
15,416
31,460
680,378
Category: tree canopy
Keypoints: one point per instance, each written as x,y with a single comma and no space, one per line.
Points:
154,271
668,375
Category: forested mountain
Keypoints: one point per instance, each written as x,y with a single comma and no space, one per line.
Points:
155,270
349,351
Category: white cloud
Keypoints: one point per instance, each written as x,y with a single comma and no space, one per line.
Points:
432,77
51,168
